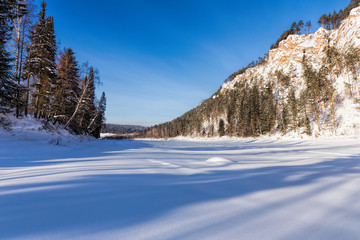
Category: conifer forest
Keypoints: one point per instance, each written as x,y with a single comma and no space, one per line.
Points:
38,78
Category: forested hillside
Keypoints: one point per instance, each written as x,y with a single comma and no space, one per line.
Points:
39,79
121,129
306,84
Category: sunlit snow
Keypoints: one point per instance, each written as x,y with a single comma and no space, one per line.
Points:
180,189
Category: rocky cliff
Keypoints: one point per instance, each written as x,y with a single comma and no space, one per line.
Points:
288,56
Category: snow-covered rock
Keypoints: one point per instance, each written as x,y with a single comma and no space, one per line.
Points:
288,56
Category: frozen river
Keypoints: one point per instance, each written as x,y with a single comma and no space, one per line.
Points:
178,189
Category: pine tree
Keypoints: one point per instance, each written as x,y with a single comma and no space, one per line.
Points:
351,59
284,35
334,20
254,105
293,108
333,60
328,21
307,126
21,22
299,27
99,119
41,62
231,111
340,17
8,87
221,128
315,88
267,115
308,25
67,90
284,118
323,20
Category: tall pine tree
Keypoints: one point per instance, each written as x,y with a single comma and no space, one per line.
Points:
66,90
21,23
41,64
8,87
99,119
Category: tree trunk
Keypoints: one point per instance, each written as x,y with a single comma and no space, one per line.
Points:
27,96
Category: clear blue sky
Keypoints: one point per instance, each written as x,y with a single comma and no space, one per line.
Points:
160,58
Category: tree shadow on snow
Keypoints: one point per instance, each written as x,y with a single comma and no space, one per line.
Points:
29,154
112,201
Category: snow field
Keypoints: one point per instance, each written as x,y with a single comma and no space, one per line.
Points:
180,189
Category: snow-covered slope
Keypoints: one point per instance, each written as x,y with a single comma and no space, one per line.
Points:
31,129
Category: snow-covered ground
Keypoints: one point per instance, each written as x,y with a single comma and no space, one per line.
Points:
180,189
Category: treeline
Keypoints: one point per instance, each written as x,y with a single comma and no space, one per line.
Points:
37,79
259,61
257,106
296,28
333,21
327,21
121,129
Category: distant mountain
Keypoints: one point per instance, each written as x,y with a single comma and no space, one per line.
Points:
121,129
307,84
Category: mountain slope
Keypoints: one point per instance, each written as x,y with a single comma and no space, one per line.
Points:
309,84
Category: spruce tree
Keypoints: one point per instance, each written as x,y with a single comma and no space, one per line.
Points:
221,128
8,87
41,62
231,111
255,111
284,118
307,126
99,119
315,85
267,112
293,109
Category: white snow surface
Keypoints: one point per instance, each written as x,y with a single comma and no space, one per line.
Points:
32,129
180,189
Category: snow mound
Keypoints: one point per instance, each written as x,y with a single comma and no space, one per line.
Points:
218,160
